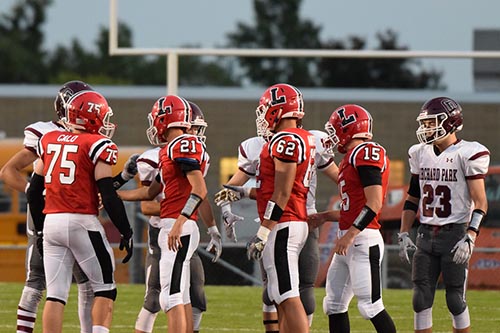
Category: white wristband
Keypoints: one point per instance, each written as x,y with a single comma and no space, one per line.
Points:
263,233
212,230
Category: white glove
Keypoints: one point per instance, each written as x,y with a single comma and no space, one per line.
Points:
230,220
463,249
256,245
231,193
215,244
130,167
405,244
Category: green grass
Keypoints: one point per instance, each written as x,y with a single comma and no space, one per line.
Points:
237,309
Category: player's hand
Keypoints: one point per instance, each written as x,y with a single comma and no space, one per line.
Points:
231,193
215,244
230,220
39,243
405,245
174,235
463,249
315,220
127,244
256,245
130,167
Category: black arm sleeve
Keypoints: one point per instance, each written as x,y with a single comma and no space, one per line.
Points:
114,206
370,175
187,164
36,201
118,181
414,189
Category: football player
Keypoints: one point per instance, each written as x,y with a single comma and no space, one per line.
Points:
182,163
248,158
362,183
72,169
447,189
12,176
285,169
148,169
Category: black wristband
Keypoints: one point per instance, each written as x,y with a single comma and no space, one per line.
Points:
191,205
410,205
364,218
273,211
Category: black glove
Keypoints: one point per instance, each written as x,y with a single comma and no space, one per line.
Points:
127,243
39,243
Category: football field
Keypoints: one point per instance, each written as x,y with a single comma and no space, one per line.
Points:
237,309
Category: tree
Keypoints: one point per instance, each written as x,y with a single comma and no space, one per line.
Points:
278,25
21,39
372,72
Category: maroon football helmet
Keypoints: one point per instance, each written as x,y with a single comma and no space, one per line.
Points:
65,93
446,115
89,111
347,122
278,101
168,111
198,121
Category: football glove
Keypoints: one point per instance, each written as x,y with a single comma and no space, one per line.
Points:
256,245
230,220
405,244
231,193
127,244
215,244
130,167
463,249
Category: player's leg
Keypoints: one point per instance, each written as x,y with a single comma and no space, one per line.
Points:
280,259
365,262
338,295
308,271
151,306
58,264
426,268
33,288
85,299
197,291
269,311
455,280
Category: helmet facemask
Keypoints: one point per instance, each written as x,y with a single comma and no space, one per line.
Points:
426,134
152,132
332,140
263,126
108,128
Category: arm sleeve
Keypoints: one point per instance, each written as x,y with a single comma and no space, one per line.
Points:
370,175
114,206
36,200
414,189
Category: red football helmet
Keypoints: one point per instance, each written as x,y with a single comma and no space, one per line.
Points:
168,111
446,116
278,101
347,122
198,121
89,111
65,93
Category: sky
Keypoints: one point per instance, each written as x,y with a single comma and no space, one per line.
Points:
441,25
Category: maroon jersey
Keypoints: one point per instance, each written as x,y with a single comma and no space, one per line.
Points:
350,188
69,162
293,145
187,149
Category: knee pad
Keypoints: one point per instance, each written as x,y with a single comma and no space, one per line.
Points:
461,320
308,300
368,310
266,299
422,298
197,295
30,299
455,301
111,294
268,308
423,319
197,315
145,320
152,300
331,307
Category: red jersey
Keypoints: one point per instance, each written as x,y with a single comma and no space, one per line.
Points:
293,145
69,161
188,149
350,188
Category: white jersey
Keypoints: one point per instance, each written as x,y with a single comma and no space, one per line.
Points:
147,168
248,161
444,194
